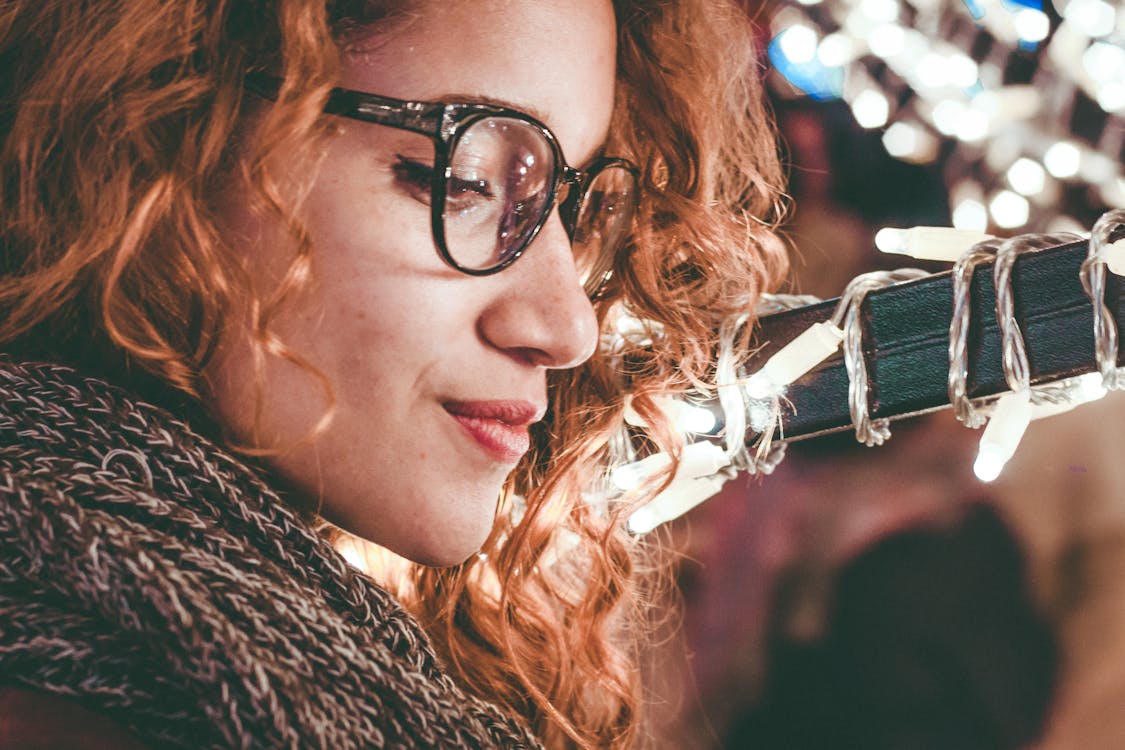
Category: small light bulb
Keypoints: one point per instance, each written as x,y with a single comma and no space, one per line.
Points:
1027,176
970,214
1062,160
1002,434
871,109
988,465
1032,25
1009,210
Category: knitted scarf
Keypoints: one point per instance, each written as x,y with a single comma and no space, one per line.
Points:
152,577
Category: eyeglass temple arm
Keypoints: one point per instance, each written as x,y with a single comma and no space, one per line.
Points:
425,118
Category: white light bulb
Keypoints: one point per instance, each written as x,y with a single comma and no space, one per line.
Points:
887,40
1027,176
1104,61
678,498
988,464
1002,434
933,71
890,240
1009,210
929,243
1031,25
871,109
880,10
1094,18
900,140
974,125
835,50
798,43
970,214
1062,160
962,70
691,418
1111,96
759,387
947,116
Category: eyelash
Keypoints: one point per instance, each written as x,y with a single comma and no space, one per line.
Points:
417,178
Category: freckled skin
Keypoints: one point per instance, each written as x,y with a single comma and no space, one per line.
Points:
397,331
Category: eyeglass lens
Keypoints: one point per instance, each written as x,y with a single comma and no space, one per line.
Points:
502,171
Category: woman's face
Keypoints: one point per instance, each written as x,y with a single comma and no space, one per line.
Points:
436,374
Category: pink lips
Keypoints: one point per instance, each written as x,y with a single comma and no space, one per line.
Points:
500,427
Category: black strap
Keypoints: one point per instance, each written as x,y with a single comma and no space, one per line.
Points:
906,340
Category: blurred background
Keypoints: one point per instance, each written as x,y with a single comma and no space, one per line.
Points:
885,597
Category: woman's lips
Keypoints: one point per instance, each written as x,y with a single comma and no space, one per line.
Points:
499,427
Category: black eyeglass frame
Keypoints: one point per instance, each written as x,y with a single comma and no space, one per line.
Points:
444,123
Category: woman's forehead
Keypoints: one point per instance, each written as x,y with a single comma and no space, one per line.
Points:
555,60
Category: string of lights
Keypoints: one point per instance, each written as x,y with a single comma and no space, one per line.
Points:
1023,104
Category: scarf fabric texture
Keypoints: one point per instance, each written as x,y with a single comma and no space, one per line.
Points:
150,576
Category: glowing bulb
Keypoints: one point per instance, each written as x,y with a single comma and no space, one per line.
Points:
909,142
798,43
835,50
680,497
988,465
1111,96
1104,62
759,387
1062,160
962,70
970,214
974,125
815,344
887,40
947,116
900,140
1003,433
1031,25
1009,210
871,109
1027,176
880,10
643,520
933,70
1094,18
890,240
929,243
697,419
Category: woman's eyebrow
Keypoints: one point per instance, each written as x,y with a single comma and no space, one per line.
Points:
525,108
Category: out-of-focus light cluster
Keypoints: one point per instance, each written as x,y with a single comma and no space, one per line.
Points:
1025,105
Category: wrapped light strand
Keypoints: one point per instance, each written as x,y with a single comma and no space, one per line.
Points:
1103,254
867,431
706,465
962,275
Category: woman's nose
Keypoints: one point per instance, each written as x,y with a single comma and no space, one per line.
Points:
542,315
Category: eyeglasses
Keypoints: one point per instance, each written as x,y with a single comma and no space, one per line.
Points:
496,175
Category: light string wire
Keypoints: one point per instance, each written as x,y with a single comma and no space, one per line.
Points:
763,414
962,275
1014,360
848,316
1093,275
743,412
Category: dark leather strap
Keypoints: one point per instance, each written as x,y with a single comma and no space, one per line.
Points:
906,340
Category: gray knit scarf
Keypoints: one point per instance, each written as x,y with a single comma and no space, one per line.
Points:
152,577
